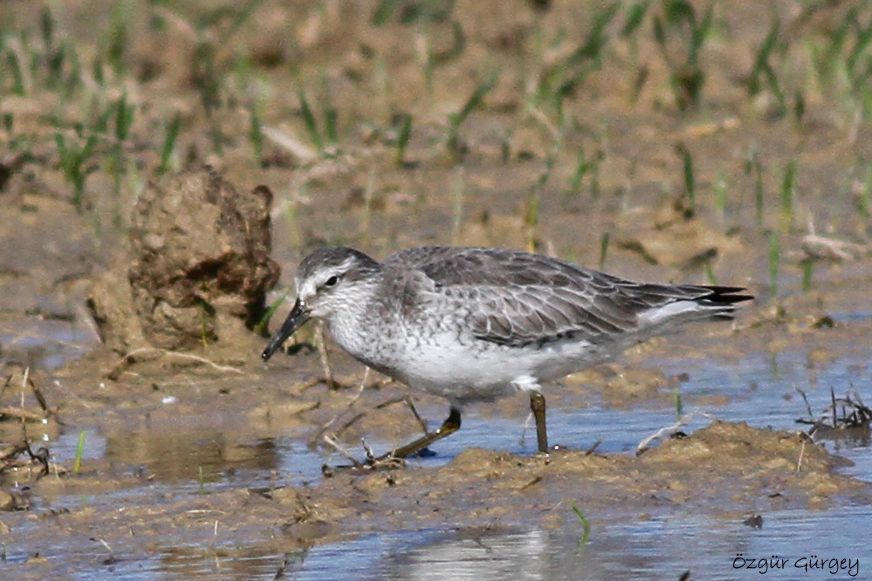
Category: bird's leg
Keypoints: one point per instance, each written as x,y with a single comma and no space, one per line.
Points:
537,405
448,427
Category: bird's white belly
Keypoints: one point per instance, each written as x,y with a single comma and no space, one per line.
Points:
480,370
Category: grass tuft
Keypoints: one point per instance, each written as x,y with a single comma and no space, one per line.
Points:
73,161
680,34
762,72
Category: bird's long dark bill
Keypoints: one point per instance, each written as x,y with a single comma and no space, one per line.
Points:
296,319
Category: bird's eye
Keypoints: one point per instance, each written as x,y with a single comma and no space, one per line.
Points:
331,281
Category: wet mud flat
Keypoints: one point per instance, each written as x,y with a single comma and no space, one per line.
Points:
199,472
141,435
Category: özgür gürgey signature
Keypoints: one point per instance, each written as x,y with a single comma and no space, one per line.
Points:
806,563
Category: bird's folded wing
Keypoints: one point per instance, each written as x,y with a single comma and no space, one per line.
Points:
515,298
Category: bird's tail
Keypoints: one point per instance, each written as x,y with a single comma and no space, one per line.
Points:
697,303
722,300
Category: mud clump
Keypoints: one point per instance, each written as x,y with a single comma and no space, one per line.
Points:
198,266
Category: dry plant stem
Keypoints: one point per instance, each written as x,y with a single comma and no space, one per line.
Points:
5,385
667,431
37,393
290,143
593,448
406,399
24,384
353,400
22,414
322,353
799,460
148,353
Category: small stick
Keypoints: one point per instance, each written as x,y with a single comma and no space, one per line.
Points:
153,353
24,383
408,401
39,397
348,406
593,448
669,430
805,399
330,441
322,353
22,414
421,421
5,385
801,453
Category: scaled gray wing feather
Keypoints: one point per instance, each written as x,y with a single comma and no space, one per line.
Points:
520,298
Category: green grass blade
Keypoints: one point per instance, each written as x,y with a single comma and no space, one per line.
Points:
262,325
635,17
80,452
169,143
774,261
689,179
256,135
585,525
310,122
604,248
403,138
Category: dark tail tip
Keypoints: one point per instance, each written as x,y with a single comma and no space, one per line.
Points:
725,295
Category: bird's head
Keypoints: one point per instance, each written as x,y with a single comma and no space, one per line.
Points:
328,280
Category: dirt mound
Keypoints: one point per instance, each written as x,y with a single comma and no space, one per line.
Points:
729,465
198,266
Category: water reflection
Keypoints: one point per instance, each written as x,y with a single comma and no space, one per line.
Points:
177,456
630,550
44,343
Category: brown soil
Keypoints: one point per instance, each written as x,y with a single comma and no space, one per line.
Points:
509,180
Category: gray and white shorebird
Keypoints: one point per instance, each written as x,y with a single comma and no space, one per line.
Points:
476,324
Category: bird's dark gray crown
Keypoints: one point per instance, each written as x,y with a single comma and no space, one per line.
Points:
331,257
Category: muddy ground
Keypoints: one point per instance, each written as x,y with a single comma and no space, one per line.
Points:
593,147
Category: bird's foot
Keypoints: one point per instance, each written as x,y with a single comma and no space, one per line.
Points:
371,463
385,462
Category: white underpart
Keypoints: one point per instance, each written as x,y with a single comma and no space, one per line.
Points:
660,315
488,371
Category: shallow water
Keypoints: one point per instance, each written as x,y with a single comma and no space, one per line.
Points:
758,388
44,343
648,549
